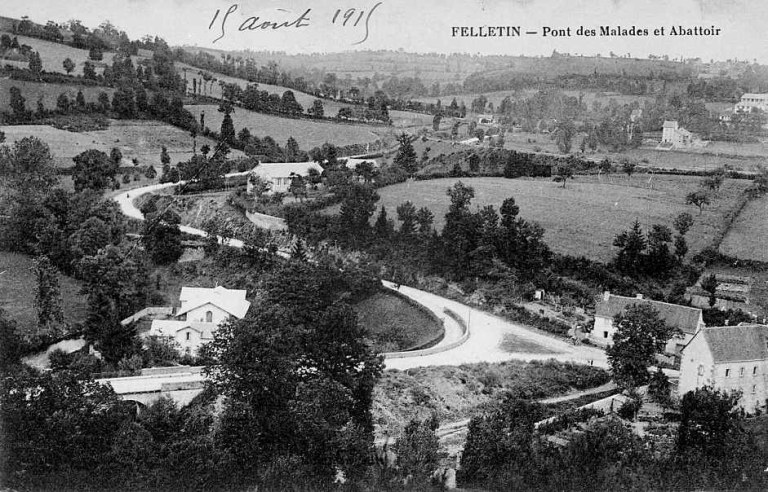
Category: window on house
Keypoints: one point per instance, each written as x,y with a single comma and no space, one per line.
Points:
727,372
187,335
754,371
605,334
209,317
741,372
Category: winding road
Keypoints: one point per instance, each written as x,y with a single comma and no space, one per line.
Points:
485,341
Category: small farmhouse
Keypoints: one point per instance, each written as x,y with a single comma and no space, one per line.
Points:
199,314
280,174
485,119
729,358
689,320
351,162
672,134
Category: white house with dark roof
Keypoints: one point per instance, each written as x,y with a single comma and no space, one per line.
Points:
280,174
728,358
687,319
200,313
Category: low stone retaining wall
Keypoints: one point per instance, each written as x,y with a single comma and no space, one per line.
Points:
438,349
435,319
267,221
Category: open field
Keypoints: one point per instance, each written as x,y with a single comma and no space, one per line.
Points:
139,139
585,216
401,119
17,293
395,324
455,393
53,54
745,156
214,90
495,97
307,133
748,236
33,91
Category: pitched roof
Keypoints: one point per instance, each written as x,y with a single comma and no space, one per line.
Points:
752,95
670,124
683,317
169,327
230,300
737,343
271,170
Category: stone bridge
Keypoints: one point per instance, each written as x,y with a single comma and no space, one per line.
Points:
181,384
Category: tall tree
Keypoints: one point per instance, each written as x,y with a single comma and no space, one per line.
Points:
406,213
162,238
227,133
50,313
295,388
631,246
18,105
93,170
640,335
406,155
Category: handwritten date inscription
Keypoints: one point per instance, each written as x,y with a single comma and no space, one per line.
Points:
345,18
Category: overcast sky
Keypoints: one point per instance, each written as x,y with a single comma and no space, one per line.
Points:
425,25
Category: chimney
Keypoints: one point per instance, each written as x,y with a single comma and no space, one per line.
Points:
606,296
638,296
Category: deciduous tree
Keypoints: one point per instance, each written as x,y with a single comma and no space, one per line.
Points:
640,335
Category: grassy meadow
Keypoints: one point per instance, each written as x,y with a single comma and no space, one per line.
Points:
17,293
585,216
34,91
307,133
140,139
395,324
748,236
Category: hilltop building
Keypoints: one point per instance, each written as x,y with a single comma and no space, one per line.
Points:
687,319
280,174
199,314
728,358
749,102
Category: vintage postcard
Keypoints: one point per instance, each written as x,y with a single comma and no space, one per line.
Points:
383,245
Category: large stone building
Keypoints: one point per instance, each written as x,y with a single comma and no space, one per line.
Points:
750,102
687,319
200,313
728,358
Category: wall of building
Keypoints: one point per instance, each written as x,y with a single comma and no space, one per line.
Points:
188,340
696,366
748,377
198,314
602,333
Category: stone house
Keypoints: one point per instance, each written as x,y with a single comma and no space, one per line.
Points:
687,319
729,358
199,314
674,135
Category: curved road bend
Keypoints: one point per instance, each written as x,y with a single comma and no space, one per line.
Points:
487,331
486,336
